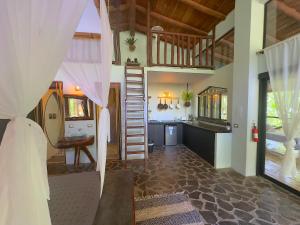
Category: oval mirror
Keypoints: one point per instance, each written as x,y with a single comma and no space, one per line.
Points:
54,120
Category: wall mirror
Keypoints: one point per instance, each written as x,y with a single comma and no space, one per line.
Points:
53,117
78,108
212,103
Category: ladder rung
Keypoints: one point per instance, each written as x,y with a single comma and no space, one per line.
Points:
135,103
135,152
135,96
135,127
135,135
135,143
134,67
135,89
134,75
134,82
134,110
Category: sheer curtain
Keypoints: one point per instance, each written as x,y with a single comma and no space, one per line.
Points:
283,62
88,65
35,36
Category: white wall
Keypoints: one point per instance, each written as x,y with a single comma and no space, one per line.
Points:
225,26
249,16
155,90
140,52
221,78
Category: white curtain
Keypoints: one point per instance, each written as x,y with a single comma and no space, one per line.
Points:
283,62
88,65
35,35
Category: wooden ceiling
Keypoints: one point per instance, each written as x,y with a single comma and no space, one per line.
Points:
182,16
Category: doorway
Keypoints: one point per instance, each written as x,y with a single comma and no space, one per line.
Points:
114,107
271,149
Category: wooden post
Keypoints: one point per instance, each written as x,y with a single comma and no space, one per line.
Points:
165,49
213,48
149,34
188,51
172,50
206,51
158,48
193,52
132,12
200,51
182,51
178,50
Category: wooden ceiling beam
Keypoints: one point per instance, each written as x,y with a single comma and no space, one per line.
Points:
83,35
171,21
204,9
141,28
291,12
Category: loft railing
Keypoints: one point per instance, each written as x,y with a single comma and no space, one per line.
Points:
181,50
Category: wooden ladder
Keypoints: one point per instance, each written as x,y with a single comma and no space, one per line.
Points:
135,112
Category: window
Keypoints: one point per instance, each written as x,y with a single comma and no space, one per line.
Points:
282,20
212,103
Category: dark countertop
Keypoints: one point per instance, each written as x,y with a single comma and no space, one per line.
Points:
205,126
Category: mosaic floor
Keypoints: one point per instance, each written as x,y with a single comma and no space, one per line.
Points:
222,196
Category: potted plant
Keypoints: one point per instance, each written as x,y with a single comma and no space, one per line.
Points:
187,96
131,42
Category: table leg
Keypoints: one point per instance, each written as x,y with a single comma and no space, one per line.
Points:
75,156
89,155
78,157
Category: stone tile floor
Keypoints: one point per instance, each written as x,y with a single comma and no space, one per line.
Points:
222,196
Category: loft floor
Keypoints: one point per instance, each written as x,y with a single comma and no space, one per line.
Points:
222,196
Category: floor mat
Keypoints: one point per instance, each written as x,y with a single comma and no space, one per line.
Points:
74,198
170,209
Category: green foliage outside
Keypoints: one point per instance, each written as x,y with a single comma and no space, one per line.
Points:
272,112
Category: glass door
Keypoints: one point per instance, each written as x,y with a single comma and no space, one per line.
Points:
271,149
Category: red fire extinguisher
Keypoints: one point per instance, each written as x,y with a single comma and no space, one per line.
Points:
254,133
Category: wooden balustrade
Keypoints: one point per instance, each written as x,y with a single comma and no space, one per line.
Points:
181,50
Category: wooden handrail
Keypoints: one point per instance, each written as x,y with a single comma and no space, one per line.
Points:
187,35
179,50
83,35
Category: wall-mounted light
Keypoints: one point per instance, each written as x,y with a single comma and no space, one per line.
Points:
77,88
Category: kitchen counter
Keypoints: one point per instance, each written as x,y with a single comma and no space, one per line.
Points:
211,142
202,125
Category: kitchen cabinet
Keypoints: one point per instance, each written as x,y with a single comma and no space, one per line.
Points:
211,143
179,133
156,133
200,141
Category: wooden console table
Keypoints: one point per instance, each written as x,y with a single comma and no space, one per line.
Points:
78,143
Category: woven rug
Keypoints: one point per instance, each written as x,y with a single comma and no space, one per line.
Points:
168,209
74,198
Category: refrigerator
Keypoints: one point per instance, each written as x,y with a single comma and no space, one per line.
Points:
170,135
